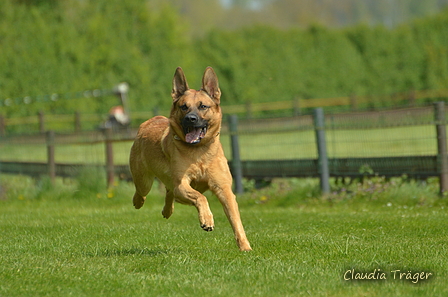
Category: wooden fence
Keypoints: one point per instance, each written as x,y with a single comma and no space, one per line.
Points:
322,167
78,122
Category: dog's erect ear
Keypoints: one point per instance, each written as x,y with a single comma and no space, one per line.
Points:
180,85
210,84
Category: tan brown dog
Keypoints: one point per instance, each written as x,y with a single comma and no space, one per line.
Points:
185,154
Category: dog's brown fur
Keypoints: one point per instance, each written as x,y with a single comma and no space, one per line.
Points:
187,163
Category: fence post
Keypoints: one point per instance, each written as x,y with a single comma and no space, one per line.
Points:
155,111
77,122
236,159
439,112
50,156
248,109
296,108
110,170
322,158
353,102
411,98
2,126
41,121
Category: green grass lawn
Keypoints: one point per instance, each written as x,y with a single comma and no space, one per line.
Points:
73,239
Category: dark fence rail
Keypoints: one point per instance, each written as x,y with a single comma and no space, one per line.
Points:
255,154
419,167
37,169
77,122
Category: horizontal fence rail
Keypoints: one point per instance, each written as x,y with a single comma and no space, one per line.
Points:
409,141
414,167
411,98
37,169
77,121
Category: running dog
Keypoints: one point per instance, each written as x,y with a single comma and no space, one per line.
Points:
185,154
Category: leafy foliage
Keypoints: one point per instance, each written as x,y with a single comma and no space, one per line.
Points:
85,45
62,47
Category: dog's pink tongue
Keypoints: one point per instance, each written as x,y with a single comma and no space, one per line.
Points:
193,135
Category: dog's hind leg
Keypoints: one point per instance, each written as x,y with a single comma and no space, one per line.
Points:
138,200
169,204
143,185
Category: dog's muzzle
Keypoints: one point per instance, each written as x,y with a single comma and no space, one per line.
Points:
194,128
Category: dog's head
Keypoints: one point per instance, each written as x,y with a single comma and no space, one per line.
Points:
196,114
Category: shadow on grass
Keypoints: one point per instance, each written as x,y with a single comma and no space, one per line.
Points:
124,252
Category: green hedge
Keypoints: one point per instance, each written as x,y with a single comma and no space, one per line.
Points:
69,46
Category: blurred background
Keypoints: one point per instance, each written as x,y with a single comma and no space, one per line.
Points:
61,63
262,51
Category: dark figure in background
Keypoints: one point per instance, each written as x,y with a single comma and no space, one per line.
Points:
118,119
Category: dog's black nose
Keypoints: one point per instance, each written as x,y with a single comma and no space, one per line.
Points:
191,119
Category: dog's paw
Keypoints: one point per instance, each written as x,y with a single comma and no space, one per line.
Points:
207,228
244,247
206,221
167,212
138,201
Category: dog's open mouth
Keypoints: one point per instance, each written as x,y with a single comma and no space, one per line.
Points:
194,135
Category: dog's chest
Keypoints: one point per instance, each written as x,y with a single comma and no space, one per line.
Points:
197,172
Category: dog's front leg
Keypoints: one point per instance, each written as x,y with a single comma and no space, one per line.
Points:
185,193
228,201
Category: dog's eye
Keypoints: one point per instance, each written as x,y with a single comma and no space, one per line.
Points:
203,107
183,107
